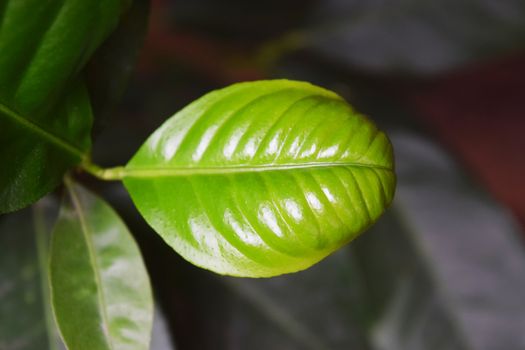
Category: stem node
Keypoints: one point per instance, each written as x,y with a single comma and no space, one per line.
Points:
108,174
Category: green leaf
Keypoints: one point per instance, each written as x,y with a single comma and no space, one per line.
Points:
111,66
262,178
442,269
24,290
100,288
44,113
35,159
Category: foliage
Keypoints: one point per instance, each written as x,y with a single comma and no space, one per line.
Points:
256,179
438,271
45,115
262,178
96,270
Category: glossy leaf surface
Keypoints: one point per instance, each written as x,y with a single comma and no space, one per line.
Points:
44,115
442,269
262,178
100,288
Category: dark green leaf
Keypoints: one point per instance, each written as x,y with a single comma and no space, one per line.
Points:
44,115
262,178
100,288
110,68
25,309
34,159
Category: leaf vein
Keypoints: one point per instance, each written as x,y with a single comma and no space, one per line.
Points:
37,129
279,152
229,239
143,172
86,230
271,130
361,195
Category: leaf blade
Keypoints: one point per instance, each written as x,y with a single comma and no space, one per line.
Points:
97,271
45,117
238,183
28,149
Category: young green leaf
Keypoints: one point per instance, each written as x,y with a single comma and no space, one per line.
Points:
44,115
262,178
100,288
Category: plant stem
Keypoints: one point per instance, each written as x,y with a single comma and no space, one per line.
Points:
108,174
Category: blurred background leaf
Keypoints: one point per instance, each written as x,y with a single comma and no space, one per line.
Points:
25,309
443,269
112,65
414,36
160,337
418,37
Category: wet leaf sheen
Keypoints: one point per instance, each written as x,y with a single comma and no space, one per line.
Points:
262,178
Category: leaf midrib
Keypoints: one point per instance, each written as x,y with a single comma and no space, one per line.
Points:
42,248
42,132
92,257
143,172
